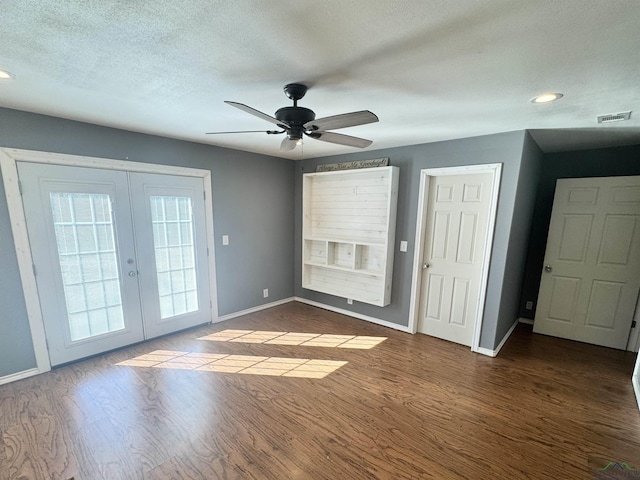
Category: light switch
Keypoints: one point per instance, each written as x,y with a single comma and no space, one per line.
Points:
225,239
403,246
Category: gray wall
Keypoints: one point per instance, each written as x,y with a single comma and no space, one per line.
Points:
256,196
519,237
252,201
506,148
606,162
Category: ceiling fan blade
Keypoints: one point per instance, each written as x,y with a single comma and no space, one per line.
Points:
270,132
342,121
287,144
257,113
341,139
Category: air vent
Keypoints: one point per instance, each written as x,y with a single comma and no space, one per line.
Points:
614,117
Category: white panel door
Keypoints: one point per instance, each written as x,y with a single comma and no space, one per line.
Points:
81,238
457,222
169,220
119,257
591,273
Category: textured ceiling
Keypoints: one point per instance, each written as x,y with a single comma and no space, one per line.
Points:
431,69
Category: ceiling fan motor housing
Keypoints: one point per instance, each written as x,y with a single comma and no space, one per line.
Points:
295,117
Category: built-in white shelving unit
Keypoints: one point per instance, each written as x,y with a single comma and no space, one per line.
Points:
349,219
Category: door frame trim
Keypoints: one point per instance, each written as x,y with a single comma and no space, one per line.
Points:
425,175
636,379
8,166
634,337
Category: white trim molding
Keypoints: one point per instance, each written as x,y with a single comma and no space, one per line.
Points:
634,337
496,170
494,353
25,261
33,156
526,321
636,379
359,316
19,375
229,316
9,168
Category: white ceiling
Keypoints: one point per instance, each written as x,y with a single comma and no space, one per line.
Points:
430,69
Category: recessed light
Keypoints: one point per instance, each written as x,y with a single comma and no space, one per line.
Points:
5,75
546,97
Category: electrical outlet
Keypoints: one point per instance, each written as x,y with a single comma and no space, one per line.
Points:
350,301
529,305
225,239
403,246
265,292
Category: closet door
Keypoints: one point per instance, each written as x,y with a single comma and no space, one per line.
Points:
82,243
169,218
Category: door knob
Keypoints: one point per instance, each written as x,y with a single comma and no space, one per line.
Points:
547,268
132,273
425,265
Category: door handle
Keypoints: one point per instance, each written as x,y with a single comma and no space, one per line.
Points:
547,268
132,273
425,265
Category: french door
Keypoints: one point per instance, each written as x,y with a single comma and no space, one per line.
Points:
119,257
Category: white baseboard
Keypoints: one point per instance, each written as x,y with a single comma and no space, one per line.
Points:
359,316
494,353
486,351
229,316
19,375
526,321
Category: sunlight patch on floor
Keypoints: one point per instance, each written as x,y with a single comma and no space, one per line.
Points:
242,364
292,338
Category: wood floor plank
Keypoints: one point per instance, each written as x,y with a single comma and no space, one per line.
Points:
8,405
40,446
411,407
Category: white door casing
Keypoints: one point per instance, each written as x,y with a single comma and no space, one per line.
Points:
591,274
457,255
8,164
636,379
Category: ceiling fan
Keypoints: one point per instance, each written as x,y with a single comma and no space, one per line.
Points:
298,121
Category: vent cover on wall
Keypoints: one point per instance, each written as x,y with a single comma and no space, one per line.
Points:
614,117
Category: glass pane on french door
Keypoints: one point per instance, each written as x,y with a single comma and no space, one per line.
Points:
172,220
81,234
85,237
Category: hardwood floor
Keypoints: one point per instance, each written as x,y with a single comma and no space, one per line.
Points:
411,407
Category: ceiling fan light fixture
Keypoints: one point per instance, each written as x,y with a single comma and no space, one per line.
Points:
297,121
6,75
547,97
